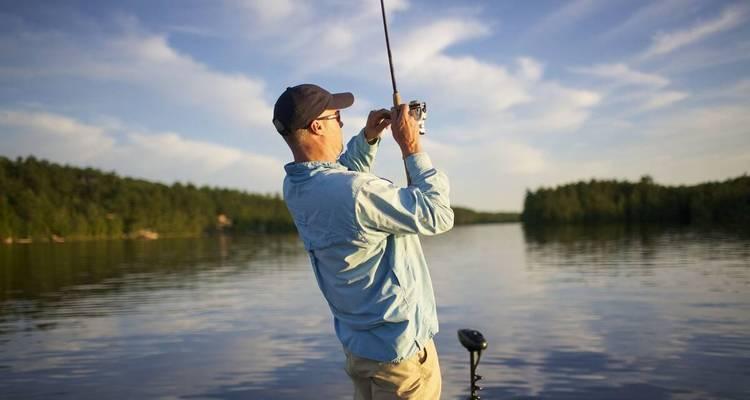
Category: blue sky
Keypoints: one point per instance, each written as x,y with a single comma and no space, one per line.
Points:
520,94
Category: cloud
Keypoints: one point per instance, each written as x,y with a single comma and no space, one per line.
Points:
143,60
530,69
662,99
652,14
162,156
273,11
413,51
344,31
519,158
465,82
691,145
512,98
623,75
698,58
664,43
563,17
51,136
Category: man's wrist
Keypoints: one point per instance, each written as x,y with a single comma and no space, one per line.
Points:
370,140
406,152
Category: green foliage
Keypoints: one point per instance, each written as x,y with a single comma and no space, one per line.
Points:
595,201
463,216
39,199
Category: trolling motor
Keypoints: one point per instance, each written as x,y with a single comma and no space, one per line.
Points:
474,342
418,109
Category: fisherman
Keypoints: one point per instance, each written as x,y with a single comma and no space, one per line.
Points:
361,233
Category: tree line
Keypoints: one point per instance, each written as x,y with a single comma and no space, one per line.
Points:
464,216
726,202
41,200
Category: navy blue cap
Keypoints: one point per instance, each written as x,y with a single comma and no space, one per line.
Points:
298,106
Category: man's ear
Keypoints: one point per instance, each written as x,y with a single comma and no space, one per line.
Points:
316,127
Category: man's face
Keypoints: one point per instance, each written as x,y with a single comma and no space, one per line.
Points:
332,124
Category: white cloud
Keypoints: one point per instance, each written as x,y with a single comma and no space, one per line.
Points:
272,11
697,58
331,36
651,14
705,123
519,158
52,136
664,43
562,17
663,99
146,61
530,69
692,145
165,157
555,108
623,74
513,100
412,52
465,82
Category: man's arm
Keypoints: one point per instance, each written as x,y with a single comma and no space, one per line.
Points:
422,208
361,149
360,154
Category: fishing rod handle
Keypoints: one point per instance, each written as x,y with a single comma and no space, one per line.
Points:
396,99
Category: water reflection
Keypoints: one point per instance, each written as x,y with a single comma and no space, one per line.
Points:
612,312
609,313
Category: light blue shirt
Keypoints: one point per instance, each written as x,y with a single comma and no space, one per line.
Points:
361,232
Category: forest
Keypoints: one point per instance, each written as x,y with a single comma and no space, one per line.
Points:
604,201
43,201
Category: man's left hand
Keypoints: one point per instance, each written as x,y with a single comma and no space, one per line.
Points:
377,121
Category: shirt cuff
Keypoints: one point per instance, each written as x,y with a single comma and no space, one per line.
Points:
372,142
418,163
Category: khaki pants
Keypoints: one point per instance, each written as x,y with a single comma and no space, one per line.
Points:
417,377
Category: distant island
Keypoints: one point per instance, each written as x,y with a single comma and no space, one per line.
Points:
612,201
44,201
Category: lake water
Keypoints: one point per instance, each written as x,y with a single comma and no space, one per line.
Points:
606,313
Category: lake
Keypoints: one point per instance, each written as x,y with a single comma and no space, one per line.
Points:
569,313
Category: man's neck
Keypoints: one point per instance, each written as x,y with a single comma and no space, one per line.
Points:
305,155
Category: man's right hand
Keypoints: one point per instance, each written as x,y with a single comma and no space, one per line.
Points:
405,130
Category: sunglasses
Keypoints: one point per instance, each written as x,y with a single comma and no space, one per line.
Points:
336,116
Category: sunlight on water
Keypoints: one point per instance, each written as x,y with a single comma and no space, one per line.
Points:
569,313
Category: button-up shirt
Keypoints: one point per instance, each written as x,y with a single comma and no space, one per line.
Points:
361,233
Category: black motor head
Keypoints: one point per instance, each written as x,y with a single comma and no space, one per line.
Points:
472,339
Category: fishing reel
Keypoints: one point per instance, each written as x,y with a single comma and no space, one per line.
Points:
418,110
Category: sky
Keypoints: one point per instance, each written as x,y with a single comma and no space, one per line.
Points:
520,95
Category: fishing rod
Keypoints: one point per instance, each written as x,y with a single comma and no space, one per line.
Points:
471,339
417,108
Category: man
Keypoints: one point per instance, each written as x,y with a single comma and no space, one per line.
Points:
361,235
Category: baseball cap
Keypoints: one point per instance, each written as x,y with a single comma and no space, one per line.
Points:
298,106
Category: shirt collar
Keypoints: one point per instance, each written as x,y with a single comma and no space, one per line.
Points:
309,166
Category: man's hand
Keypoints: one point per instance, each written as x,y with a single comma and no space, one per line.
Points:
405,130
376,122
